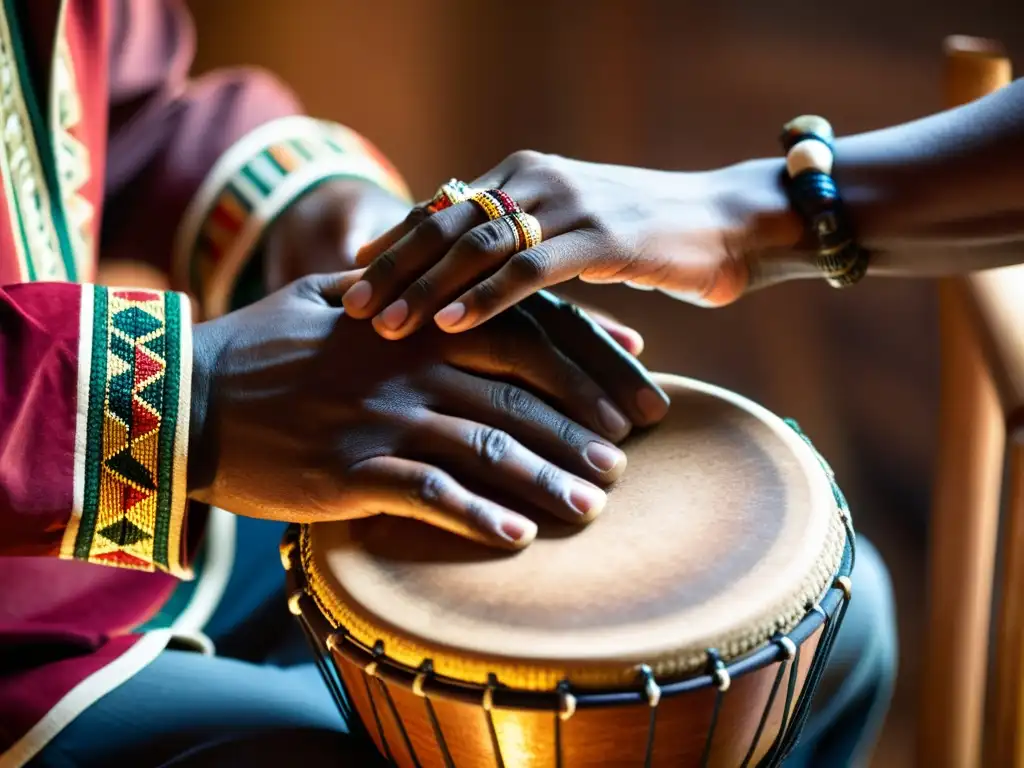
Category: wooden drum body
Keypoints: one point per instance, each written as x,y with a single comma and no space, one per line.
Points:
687,625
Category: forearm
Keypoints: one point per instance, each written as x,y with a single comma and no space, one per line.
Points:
939,195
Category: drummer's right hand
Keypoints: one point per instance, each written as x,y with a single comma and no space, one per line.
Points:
302,414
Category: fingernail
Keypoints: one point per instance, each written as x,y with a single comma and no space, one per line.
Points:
613,421
652,404
636,342
603,457
518,529
358,296
587,499
451,314
394,315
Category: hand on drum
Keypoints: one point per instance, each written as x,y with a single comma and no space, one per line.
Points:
543,220
304,414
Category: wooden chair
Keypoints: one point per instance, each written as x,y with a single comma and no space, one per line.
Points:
981,435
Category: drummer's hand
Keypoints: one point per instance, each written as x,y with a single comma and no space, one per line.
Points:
303,414
322,232
688,233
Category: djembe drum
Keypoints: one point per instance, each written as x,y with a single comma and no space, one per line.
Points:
687,625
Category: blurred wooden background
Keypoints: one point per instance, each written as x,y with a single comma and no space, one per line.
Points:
449,88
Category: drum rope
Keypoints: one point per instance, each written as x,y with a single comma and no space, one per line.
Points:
566,709
325,670
423,672
720,675
399,722
439,734
488,705
378,652
376,717
788,650
772,758
334,681
791,734
653,693
832,631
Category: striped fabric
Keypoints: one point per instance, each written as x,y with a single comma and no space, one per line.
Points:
253,183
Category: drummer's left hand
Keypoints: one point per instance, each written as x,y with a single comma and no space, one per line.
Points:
321,232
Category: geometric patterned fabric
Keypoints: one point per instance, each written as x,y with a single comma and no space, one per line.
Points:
129,518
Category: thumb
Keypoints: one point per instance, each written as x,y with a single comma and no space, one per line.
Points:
328,288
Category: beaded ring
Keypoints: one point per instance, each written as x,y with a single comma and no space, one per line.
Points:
807,141
492,204
449,194
528,231
511,206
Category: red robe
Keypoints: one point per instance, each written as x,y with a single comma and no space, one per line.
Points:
107,145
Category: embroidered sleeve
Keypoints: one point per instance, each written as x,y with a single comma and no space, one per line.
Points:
94,411
260,176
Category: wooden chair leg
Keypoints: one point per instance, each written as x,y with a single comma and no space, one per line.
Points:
1004,735
964,523
965,513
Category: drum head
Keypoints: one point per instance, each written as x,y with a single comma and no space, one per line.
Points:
721,532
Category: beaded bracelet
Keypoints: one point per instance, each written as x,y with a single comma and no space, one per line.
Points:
807,141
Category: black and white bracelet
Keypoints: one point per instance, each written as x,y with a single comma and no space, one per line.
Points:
807,141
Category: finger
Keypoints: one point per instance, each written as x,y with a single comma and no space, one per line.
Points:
393,486
429,238
528,419
365,228
549,263
474,256
491,180
628,338
619,373
325,288
331,287
514,348
371,250
469,449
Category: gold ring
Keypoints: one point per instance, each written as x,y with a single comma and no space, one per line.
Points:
515,232
449,194
490,204
529,234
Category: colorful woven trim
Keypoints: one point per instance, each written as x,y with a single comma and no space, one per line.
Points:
131,435
260,176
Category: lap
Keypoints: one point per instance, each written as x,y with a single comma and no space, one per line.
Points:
184,703
854,694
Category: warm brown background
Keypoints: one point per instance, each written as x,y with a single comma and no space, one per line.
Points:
449,87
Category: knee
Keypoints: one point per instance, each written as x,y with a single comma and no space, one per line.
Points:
862,666
871,618
282,747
